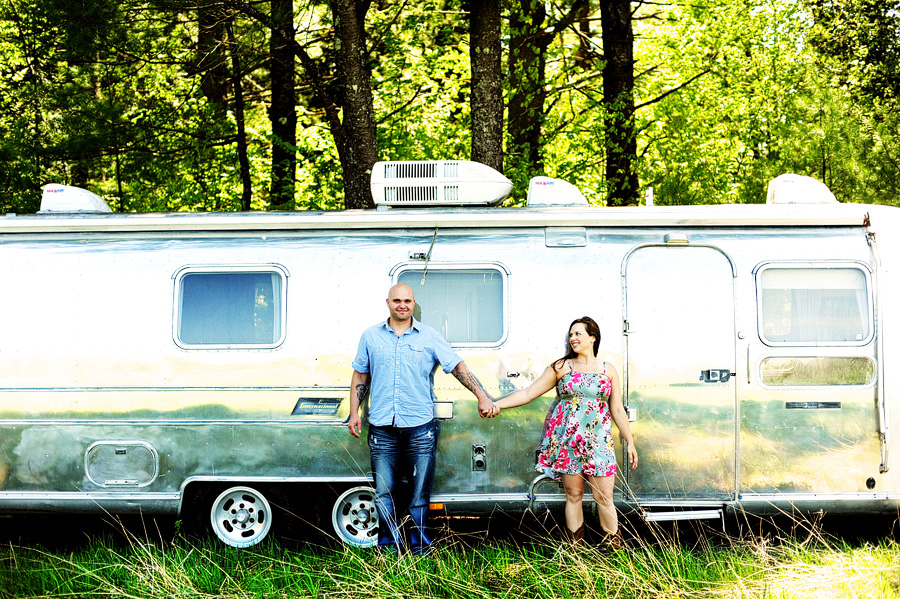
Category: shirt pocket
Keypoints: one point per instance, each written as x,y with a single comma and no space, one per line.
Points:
417,355
384,354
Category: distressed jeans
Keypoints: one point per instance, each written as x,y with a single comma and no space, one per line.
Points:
400,454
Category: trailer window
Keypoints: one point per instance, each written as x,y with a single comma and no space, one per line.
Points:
228,309
465,305
815,371
813,306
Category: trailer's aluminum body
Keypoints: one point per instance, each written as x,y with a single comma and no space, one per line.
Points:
108,403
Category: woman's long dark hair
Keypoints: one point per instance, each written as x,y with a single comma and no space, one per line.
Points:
591,328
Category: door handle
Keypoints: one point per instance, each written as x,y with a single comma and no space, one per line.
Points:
716,375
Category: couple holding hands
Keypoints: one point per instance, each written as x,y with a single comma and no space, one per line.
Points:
394,365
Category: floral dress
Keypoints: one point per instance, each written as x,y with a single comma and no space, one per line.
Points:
578,436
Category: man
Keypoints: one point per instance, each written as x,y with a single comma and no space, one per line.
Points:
398,357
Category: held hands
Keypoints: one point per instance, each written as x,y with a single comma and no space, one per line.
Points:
487,408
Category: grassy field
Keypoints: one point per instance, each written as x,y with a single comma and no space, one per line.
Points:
806,562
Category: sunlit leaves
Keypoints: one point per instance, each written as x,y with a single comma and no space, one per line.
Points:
730,94
421,85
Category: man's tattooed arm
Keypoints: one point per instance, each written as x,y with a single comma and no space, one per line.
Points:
468,380
359,385
361,389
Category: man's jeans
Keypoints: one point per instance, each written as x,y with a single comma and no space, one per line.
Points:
398,454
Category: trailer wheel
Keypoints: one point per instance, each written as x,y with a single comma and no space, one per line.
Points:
354,517
241,516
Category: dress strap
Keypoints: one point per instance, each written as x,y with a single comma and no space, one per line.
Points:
604,366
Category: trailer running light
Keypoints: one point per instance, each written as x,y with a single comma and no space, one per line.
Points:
437,183
435,507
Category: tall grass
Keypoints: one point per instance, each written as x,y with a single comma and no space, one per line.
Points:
655,565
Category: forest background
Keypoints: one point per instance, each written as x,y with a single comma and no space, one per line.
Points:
189,105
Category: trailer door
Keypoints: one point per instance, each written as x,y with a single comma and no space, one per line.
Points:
680,364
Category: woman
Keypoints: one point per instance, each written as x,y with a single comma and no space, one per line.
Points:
578,442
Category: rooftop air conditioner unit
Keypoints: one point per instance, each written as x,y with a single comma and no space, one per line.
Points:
67,199
437,183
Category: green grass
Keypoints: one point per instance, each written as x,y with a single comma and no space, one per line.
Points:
654,566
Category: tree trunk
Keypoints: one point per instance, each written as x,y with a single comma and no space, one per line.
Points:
238,90
282,113
581,13
353,131
618,99
528,43
356,138
486,86
211,57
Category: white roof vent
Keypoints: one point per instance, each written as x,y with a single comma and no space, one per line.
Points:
545,191
438,183
798,189
65,198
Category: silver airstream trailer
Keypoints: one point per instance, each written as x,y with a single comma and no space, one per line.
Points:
200,363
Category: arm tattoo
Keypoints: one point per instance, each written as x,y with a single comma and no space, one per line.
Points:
468,380
361,391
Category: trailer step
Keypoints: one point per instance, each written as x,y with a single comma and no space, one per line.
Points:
682,515
685,515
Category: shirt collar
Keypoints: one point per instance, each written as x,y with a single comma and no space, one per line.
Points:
415,325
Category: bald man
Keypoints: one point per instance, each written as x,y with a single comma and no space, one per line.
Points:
395,365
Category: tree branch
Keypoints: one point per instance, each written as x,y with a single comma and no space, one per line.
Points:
405,104
673,90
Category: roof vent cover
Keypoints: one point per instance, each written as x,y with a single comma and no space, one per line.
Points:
67,199
437,183
798,189
546,191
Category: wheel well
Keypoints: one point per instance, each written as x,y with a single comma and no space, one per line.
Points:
302,511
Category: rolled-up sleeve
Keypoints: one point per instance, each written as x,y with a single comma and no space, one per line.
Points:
444,354
361,361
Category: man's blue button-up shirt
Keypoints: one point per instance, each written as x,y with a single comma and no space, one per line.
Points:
401,391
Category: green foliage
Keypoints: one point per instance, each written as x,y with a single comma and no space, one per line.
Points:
104,101
421,80
721,137
859,41
760,106
108,95
857,47
572,138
